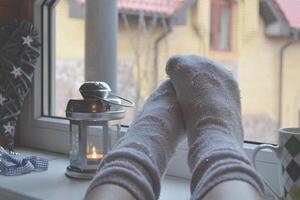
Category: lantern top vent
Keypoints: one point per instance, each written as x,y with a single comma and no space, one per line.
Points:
98,103
94,89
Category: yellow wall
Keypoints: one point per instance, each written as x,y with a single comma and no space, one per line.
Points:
291,83
69,34
254,57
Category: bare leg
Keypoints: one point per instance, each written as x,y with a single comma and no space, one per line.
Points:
231,190
109,191
115,192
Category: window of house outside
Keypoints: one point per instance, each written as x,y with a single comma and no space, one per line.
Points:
220,25
149,35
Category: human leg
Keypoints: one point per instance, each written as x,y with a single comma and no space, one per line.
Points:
242,190
139,159
210,101
109,191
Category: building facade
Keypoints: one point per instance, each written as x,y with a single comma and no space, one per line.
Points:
233,32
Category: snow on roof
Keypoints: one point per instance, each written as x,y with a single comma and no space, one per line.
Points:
162,7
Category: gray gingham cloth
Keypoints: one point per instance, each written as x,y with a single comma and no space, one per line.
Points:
12,164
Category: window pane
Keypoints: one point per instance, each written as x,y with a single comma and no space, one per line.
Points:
69,55
224,29
213,25
146,39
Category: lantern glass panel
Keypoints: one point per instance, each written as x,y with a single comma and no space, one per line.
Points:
74,152
90,141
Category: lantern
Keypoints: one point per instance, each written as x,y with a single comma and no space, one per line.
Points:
93,121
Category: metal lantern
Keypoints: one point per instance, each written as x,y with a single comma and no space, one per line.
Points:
92,120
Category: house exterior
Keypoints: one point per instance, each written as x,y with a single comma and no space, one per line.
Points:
256,39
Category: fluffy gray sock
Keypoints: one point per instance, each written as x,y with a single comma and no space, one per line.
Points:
210,101
139,159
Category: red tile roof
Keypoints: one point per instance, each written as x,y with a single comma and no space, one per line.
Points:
162,7
291,11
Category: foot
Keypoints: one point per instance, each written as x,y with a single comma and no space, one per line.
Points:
208,94
210,100
160,122
139,159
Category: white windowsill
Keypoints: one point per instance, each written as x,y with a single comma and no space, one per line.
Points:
53,184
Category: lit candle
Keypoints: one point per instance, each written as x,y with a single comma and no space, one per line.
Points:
94,155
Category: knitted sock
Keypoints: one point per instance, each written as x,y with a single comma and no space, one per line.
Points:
210,102
139,159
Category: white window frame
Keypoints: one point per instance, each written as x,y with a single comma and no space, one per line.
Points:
51,134
36,130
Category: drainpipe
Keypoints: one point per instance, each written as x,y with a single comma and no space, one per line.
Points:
188,4
281,75
156,50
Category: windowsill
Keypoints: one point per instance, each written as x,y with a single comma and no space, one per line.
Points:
53,184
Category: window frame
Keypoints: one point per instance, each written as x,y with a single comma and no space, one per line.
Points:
216,7
52,134
36,128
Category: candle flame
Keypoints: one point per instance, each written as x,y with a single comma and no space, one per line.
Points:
94,155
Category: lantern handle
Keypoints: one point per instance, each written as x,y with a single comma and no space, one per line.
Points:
129,103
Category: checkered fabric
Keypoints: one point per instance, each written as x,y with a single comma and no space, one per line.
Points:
291,166
15,164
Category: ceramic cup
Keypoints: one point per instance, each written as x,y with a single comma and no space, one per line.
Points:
288,152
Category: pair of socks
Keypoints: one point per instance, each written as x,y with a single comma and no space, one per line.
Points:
202,100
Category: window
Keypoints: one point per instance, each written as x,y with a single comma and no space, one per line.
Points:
147,38
69,66
145,41
220,27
